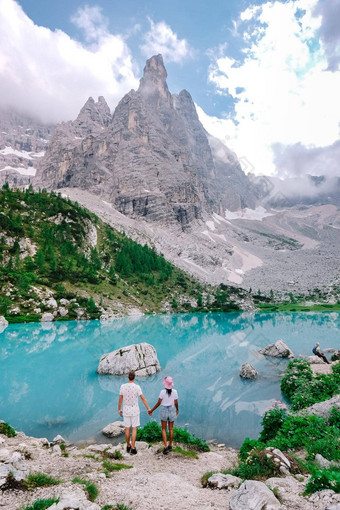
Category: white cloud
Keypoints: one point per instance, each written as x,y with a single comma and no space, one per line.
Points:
282,89
48,74
161,39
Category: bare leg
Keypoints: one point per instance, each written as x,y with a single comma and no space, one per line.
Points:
171,432
165,440
127,436
134,435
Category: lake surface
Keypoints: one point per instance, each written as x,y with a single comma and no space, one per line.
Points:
49,384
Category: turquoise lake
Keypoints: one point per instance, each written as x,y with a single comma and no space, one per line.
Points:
49,384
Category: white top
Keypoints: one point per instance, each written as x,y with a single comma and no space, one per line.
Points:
130,392
168,400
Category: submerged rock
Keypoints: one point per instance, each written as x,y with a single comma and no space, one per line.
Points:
142,358
277,350
248,371
253,495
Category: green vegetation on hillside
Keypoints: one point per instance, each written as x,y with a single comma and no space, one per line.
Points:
52,247
296,432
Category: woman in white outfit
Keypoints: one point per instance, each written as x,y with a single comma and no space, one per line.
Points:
168,400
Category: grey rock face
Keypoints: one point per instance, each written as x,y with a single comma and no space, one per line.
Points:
23,141
315,360
253,495
248,371
277,350
324,408
114,429
142,358
15,465
324,463
152,159
74,499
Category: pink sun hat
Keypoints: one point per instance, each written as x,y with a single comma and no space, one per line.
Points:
168,382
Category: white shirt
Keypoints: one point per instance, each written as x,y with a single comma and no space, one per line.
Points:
168,400
130,392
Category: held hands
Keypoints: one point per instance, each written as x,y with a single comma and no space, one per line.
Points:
149,412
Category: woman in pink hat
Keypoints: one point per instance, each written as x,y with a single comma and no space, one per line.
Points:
168,400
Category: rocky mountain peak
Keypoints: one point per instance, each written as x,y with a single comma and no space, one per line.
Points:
93,113
153,86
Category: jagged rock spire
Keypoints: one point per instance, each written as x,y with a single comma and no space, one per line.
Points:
153,84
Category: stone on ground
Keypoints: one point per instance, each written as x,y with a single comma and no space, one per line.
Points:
253,495
114,429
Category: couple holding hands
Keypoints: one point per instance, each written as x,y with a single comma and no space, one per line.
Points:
168,400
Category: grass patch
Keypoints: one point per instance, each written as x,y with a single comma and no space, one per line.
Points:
35,480
116,455
89,457
41,504
110,466
119,506
186,453
90,488
7,430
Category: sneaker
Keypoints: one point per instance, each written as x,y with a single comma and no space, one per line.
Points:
133,451
169,448
128,449
166,451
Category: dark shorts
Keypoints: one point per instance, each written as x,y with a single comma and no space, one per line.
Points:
168,413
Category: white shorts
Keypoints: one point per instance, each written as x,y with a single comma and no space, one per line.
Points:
131,421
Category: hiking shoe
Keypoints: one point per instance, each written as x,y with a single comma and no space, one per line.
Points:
169,448
133,451
128,449
166,451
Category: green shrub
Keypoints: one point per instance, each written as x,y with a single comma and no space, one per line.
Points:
7,430
334,417
152,433
298,373
258,466
247,446
273,420
328,446
41,504
323,479
39,480
90,488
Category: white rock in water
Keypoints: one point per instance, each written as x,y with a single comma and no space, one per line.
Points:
142,358
253,495
277,350
114,429
248,371
47,317
3,324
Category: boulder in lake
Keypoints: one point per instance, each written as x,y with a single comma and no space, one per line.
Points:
248,371
114,429
255,496
277,350
142,358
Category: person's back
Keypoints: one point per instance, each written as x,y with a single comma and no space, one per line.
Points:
130,391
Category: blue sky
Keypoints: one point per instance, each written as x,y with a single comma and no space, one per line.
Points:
264,74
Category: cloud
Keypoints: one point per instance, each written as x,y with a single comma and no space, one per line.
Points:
330,31
281,87
50,75
161,39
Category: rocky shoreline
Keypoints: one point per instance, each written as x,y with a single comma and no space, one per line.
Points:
150,480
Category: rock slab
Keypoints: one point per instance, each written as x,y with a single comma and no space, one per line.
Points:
253,495
323,408
114,429
142,358
248,371
220,481
277,350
